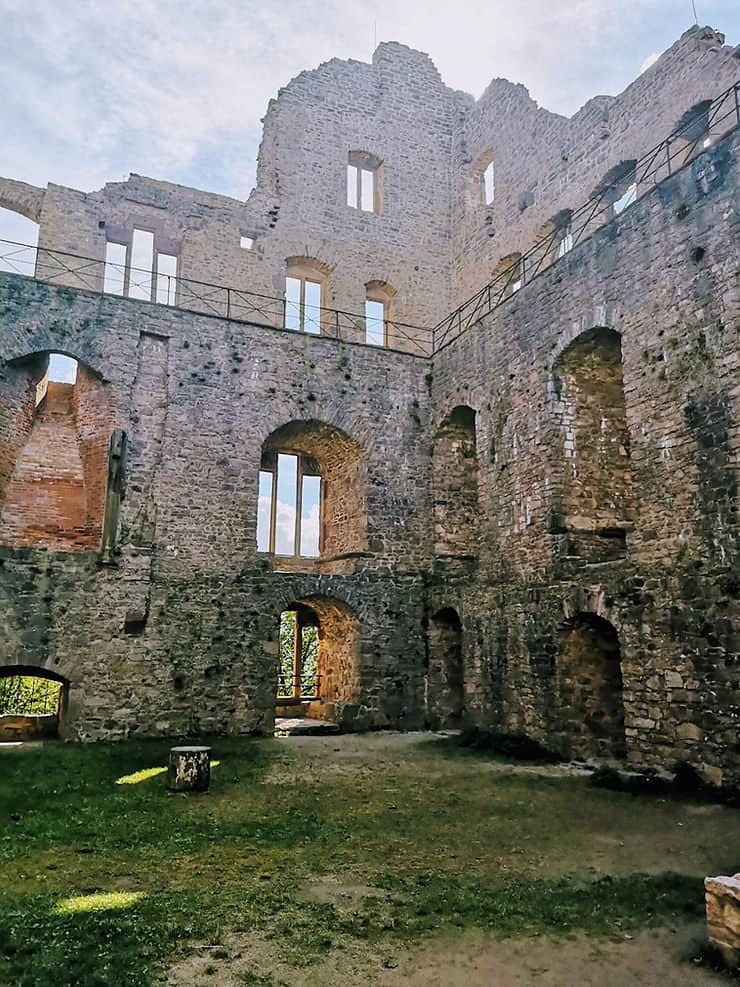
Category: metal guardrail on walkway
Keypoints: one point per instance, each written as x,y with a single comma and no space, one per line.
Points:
60,267
567,229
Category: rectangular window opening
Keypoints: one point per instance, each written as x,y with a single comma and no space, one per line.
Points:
293,303
114,276
142,265
166,279
286,505
367,196
488,185
310,517
566,242
374,322
626,199
312,307
264,510
246,242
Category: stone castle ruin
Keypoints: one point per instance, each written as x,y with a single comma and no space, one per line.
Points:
438,428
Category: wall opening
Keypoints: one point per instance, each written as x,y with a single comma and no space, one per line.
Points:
32,703
693,134
139,266
19,237
306,294
445,680
618,189
455,485
589,679
55,421
318,668
596,486
312,503
364,181
379,297
509,274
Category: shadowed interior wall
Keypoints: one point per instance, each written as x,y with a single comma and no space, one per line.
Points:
445,687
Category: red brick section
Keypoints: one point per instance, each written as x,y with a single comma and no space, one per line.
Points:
46,503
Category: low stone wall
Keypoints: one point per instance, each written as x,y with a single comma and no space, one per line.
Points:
723,916
14,727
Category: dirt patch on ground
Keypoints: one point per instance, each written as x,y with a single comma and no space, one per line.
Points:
657,958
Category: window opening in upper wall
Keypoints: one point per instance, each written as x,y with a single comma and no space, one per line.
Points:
140,271
626,199
487,184
364,181
246,242
378,301
306,284
566,241
289,507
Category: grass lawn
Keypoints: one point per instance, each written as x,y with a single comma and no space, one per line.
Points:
106,879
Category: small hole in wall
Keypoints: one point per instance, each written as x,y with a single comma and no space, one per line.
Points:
697,253
178,683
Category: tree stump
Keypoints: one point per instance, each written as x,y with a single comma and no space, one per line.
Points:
189,769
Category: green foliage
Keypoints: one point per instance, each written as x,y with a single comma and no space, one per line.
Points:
28,695
286,650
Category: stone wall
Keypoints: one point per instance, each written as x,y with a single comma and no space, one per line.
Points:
663,276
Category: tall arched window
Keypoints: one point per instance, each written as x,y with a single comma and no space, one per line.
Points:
312,493
306,294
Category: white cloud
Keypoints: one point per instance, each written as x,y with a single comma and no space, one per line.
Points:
176,88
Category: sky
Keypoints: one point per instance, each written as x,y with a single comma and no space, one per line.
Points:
93,90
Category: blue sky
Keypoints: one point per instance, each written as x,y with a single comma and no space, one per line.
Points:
175,90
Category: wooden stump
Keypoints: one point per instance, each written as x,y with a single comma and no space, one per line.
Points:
189,769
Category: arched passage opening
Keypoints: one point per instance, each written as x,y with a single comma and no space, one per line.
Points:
312,496
32,703
455,485
55,426
445,680
318,665
596,480
589,679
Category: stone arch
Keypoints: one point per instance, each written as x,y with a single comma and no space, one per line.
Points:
445,678
338,685
28,712
54,437
325,451
589,688
455,484
592,499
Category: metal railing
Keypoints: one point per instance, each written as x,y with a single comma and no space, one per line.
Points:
226,302
570,228
305,686
567,229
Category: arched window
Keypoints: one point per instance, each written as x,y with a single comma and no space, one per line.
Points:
32,702
318,661
312,493
589,685
379,297
19,237
306,294
364,181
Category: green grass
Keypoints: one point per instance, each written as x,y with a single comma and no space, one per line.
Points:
101,883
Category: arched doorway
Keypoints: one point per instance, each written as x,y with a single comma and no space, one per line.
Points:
590,688
32,703
318,663
445,680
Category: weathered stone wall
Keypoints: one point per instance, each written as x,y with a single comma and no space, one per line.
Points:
664,276
180,633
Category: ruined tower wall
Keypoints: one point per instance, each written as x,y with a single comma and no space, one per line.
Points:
664,277
559,162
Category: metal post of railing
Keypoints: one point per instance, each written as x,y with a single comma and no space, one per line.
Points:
668,155
737,102
336,320
228,303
